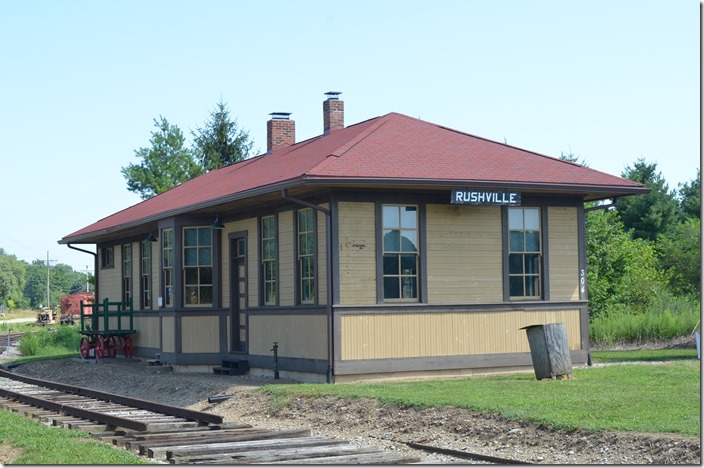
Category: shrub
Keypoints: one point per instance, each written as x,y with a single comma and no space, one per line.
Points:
49,343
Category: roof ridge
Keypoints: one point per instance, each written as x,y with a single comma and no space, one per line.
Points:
362,135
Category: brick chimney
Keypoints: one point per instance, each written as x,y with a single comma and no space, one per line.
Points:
333,112
280,130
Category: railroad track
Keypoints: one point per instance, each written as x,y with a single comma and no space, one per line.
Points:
9,340
172,434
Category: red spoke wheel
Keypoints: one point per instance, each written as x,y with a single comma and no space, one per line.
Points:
84,348
99,347
110,346
127,346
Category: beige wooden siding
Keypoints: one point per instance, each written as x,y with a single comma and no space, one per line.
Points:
383,336
298,336
321,267
249,226
200,334
357,253
464,254
167,332
147,335
563,243
110,279
286,279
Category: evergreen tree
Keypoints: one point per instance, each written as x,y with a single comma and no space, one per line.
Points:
690,198
220,142
652,214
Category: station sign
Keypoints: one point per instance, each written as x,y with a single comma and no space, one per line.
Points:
485,197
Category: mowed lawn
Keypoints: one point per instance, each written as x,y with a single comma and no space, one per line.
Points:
653,396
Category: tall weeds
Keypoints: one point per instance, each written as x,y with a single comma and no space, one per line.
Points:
666,317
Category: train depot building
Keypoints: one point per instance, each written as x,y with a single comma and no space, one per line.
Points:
391,248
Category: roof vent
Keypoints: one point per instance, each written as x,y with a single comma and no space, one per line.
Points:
333,94
280,115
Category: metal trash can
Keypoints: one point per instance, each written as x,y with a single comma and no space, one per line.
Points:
549,350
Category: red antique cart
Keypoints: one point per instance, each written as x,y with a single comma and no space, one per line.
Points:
103,338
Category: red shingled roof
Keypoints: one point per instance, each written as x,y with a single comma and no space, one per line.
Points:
393,147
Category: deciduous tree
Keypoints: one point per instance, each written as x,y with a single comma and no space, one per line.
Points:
164,165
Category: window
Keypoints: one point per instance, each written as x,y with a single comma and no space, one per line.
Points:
524,253
167,255
198,265
400,252
269,259
146,279
306,256
107,257
126,272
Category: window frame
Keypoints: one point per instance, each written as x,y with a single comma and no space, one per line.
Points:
107,257
420,283
127,270
542,253
199,249
302,257
265,300
167,268
145,275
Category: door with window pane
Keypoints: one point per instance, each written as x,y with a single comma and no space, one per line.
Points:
238,289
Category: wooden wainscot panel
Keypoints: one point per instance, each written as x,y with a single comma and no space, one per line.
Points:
357,253
200,334
464,254
168,326
298,336
564,253
147,335
286,278
410,335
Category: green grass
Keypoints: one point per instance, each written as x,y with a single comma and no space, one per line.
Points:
643,355
43,445
641,398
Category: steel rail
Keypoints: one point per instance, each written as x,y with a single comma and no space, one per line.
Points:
193,415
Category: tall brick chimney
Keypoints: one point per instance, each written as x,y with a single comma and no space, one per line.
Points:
333,112
280,130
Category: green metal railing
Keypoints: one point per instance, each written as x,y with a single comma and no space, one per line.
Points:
106,310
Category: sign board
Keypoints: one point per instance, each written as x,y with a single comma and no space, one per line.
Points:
485,197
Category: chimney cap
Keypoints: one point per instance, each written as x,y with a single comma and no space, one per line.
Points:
333,94
280,115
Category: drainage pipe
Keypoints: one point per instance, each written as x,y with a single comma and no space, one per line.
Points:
328,269
95,266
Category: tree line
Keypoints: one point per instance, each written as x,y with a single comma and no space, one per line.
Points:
24,285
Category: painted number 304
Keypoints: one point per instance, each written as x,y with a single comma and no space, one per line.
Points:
582,281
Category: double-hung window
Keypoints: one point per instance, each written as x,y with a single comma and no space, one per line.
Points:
146,274
524,253
269,259
198,265
167,255
400,252
306,256
126,272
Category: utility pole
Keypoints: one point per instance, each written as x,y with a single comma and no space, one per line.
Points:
87,279
48,268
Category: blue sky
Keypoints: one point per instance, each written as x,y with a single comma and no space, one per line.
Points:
82,81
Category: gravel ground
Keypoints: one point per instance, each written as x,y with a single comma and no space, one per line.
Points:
367,423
